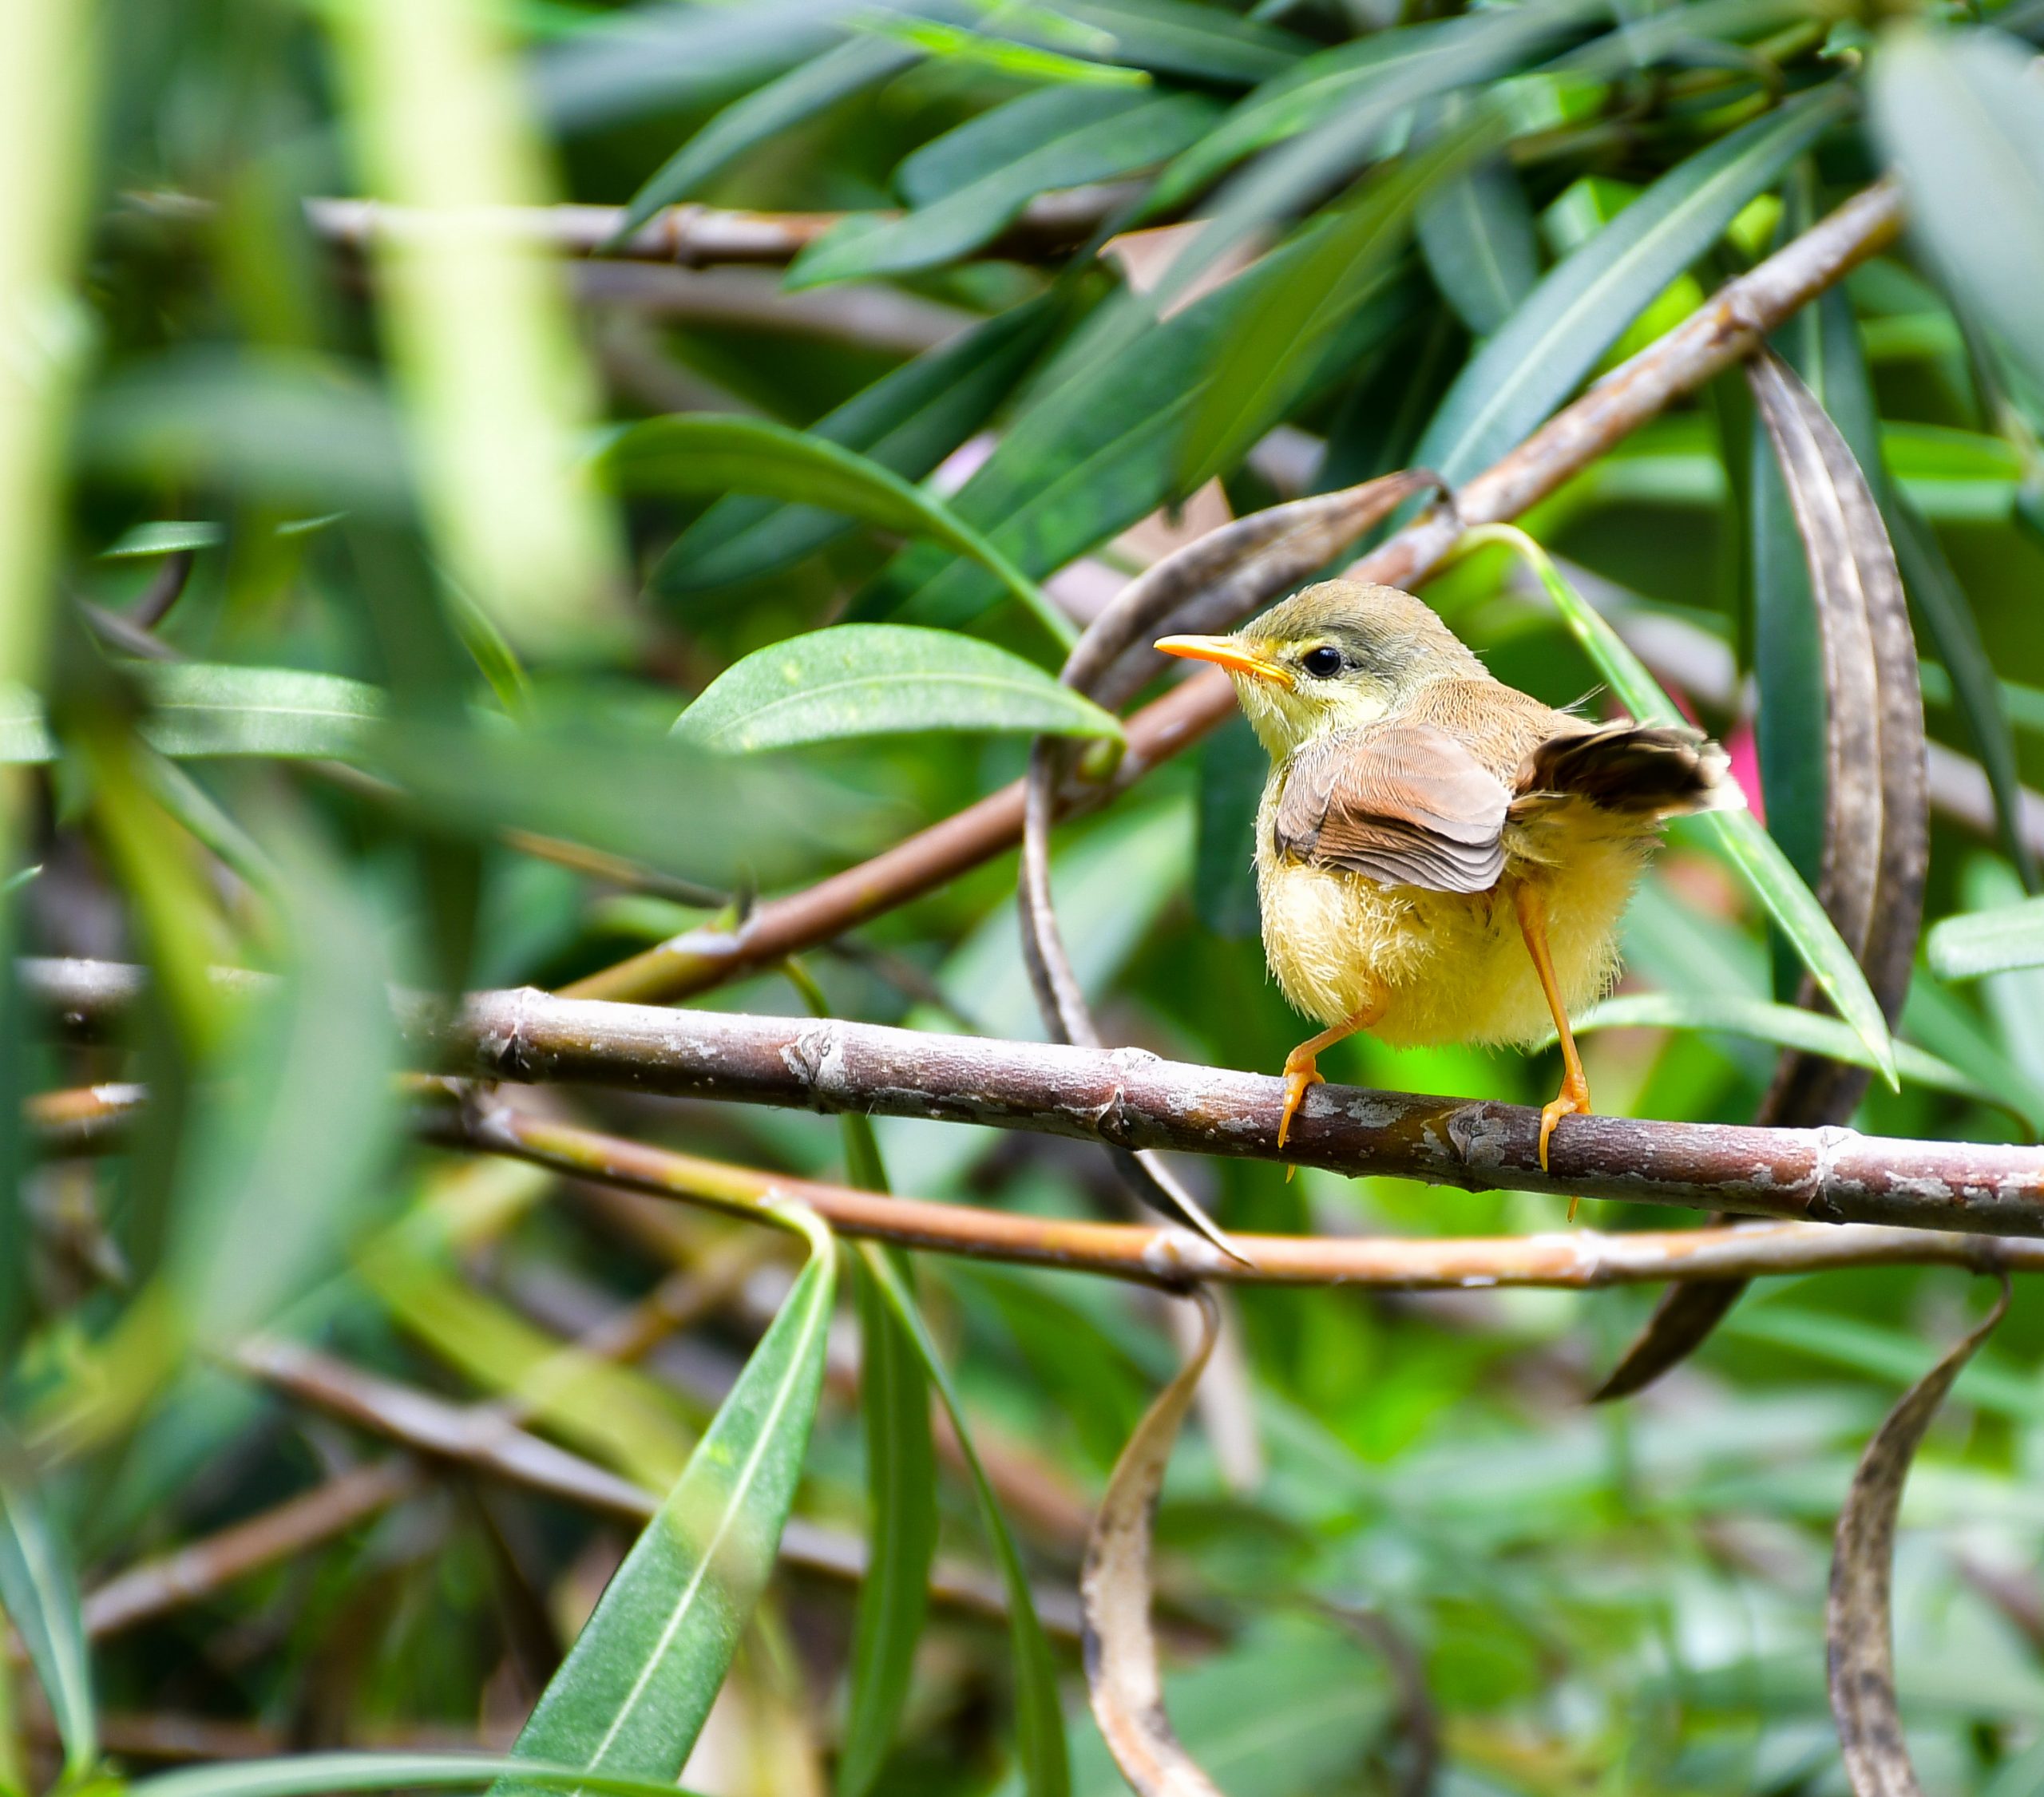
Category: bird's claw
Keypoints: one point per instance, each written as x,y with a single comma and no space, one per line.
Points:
1573,1101
1301,1076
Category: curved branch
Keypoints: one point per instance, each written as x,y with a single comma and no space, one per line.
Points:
1729,327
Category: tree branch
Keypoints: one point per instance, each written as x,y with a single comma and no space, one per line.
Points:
1721,332
1130,1099
1169,1257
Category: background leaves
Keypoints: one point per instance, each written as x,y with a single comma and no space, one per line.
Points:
359,560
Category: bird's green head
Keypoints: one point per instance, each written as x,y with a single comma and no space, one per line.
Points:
1337,655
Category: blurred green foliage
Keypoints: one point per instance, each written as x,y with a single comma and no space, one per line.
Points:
348,601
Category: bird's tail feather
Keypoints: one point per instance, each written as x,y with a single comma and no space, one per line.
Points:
1642,769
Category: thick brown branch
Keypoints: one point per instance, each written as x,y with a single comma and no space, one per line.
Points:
1710,340
1130,1099
1166,1255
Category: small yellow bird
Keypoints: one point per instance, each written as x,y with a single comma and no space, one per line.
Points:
1439,858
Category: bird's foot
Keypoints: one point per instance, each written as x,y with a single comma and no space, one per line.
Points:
1301,1076
1573,1101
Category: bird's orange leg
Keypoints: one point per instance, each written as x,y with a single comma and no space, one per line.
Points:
1302,1074
1575,1096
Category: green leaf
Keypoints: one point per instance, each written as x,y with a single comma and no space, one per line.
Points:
1980,942
1398,68
164,537
1270,355
705,454
882,679
1039,1722
632,1696
984,147
645,797
908,421
806,90
1960,114
290,431
1475,231
1758,858
1115,133
1232,769
901,1495
201,709
307,1775
1100,448
39,1592
1176,37
1585,304
284,1163
1983,701
1788,1026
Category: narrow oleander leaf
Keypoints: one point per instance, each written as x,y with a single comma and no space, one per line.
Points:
1233,770
1102,446
703,453
39,1592
988,145
1122,1679
1583,305
1175,37
1961,117
882,679
307,1775
625,790
283,1164
1477,232
907,421
632,1694
1740,836
1271,353
1981,700
1788,1026
166,537
1859,1626
1126,132
1317,88
860,62
901,1493
199,709
1039,1720
1982,942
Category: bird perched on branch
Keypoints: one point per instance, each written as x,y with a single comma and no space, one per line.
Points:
1439,858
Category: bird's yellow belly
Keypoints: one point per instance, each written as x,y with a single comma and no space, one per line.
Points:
1448,966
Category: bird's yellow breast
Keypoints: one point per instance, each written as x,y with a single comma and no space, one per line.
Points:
1452,967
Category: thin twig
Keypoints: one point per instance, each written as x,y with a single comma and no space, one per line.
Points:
198,1570
1720,332
1165,1255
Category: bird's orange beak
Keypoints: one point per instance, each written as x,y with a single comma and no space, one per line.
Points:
1228,652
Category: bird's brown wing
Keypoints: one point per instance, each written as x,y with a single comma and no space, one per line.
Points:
1403,803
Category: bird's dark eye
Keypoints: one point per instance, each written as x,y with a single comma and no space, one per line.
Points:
1324,661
